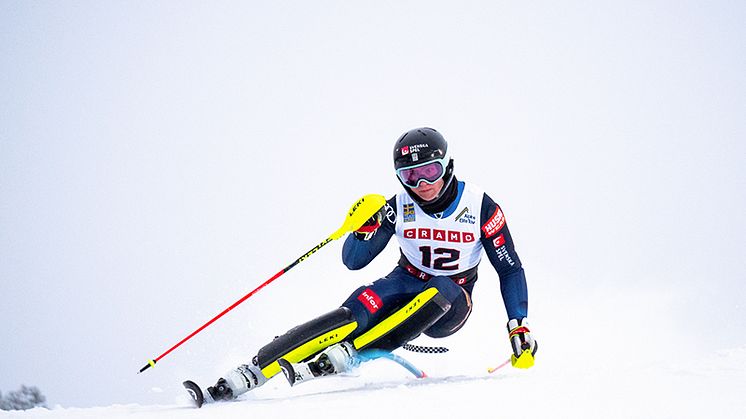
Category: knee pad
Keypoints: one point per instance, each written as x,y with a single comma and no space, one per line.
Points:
406,323
303,342
454,319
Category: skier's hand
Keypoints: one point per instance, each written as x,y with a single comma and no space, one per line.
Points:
369,228
524,345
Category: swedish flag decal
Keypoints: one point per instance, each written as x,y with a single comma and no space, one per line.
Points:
408,213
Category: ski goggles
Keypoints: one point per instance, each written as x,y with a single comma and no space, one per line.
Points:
429,172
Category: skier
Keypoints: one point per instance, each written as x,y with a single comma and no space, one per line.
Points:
442,225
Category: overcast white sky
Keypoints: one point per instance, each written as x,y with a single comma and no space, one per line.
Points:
158,160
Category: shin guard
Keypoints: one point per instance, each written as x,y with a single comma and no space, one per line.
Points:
303,342
406,323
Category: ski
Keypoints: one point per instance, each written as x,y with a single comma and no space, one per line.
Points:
195,393
371,354
305,371
295,373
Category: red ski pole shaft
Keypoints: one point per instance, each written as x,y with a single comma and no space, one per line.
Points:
151,363
358,214
493,369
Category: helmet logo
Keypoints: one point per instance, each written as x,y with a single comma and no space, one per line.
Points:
412,149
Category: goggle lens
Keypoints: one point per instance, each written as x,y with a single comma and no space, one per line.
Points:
429,172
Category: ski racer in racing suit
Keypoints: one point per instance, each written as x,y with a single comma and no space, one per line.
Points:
442,225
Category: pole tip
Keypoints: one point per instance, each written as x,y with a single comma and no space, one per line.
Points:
151,363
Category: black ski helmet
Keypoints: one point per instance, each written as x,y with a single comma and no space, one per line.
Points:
421,145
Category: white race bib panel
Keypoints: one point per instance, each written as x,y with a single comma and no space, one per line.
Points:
441,246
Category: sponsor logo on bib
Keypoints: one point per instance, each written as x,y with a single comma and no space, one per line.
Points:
439,235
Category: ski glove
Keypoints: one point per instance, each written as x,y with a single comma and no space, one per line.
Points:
369,228
524,345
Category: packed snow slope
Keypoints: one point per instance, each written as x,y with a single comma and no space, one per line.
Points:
613,364
563,389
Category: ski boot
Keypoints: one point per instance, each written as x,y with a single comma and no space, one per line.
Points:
338,358
234,383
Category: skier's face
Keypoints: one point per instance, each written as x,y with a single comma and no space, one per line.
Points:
428,192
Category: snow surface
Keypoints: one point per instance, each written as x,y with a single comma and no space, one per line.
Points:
643,379
713,388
